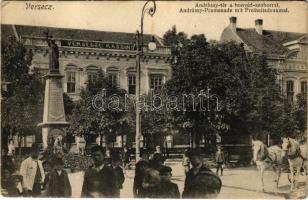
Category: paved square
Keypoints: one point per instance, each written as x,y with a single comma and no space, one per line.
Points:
237,183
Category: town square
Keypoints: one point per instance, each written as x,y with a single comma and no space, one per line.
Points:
142,100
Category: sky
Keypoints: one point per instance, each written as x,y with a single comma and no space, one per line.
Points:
125,17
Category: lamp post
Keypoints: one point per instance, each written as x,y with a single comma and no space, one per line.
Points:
149,8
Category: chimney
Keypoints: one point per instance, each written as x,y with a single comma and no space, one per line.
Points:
233,24
259,26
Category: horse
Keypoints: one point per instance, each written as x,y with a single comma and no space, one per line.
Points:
267,158
296,155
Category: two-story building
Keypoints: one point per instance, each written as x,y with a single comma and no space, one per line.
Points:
83,52
286,51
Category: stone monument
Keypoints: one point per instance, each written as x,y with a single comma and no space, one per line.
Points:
54,122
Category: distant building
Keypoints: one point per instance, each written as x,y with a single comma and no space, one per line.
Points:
286,51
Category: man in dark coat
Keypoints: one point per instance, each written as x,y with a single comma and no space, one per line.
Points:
99,180
126,157
200,181
58,184
140,172
117,165
150,183
167,189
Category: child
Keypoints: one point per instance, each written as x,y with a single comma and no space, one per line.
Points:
11,184
59,184
220,160
167,189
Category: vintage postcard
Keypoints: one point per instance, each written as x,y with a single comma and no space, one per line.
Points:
154,99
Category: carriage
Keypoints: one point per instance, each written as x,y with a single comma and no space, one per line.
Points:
237,155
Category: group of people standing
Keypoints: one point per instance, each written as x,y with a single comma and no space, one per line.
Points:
36,178
105,177
153,178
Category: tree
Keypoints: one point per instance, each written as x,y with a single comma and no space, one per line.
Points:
172,37
243,95
69,105
98,112
154,118
22,103
301,113
15,61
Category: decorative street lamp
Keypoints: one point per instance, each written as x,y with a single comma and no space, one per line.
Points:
149,8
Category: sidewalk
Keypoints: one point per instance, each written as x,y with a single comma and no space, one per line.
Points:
237,183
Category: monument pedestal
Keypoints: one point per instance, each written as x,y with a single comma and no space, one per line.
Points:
54,122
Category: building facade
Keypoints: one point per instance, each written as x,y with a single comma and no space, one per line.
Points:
286,52
83,52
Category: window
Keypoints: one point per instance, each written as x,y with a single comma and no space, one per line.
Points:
304,88
113,79
131,84
92,77
156,82
290,90
71,82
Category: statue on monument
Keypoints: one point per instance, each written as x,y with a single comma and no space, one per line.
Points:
53,53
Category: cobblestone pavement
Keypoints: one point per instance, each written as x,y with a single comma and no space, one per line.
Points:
237,183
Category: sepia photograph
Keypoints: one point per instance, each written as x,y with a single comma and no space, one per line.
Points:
154,99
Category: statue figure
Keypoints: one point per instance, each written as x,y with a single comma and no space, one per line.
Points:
53,54
58,145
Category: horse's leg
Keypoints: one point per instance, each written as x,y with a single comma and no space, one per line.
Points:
278,173
259,177
292,176
298,171
304,167
262,167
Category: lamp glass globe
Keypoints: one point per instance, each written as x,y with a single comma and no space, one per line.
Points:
152,46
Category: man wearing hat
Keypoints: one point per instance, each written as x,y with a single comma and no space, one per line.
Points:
117,165
200,181
99,180
58,184
140,172
167,189
33,173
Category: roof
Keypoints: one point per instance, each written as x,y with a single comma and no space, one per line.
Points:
79,34
270,42
7,31
264,42
284,37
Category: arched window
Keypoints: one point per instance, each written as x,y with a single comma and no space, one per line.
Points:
290,90
91,73
304,90
71,78
113,76
131,80
156,81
